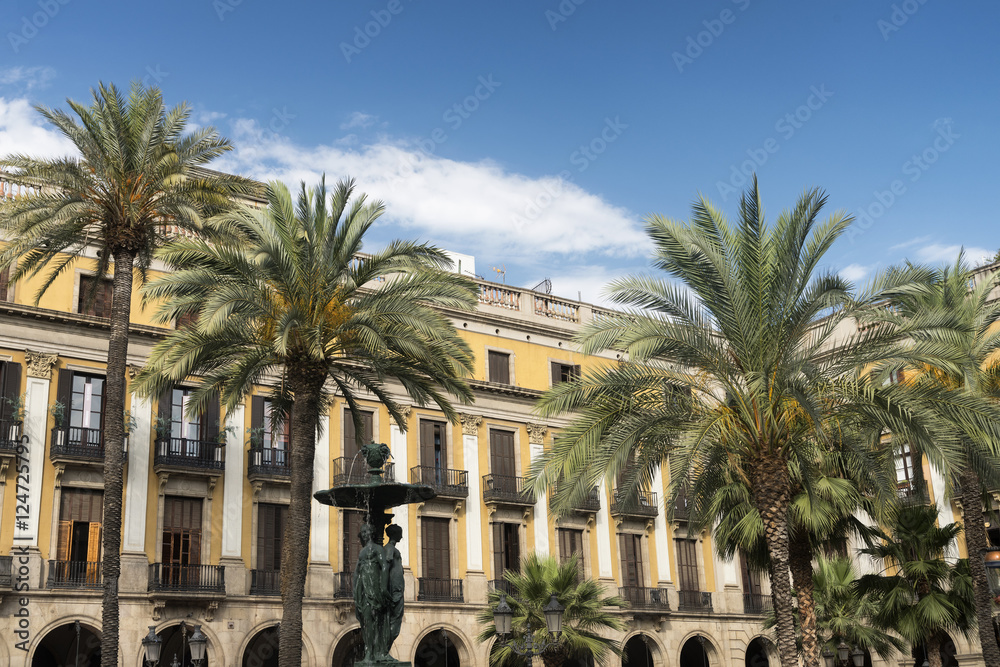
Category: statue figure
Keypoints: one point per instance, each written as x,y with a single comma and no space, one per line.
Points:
370,595
394,583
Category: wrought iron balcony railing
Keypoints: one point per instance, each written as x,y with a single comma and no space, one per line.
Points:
265,582
506,489
588,504
6,571
641,597
643,504
184,453
694,601
354,470
910,493
74,442
10,436
756,604
343,585
176,578
74,574
440,590
268,462
501,585
447,482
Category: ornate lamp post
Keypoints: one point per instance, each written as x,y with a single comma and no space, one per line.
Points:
842,654
828,657
197,643
503,617
152,644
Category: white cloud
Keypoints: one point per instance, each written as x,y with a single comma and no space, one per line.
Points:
855,272
23,130
910,243
474,207
937,253
27,78
358,119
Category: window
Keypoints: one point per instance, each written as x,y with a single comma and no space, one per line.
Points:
180,546
95,296
82,397
352,538
502,460
751,579
10,391
564,372
433,444
274,446
688,587
904,467
506,550
186,433
186,319
351,445
6,292
499,366
570,544
271,521
435,548
630,552
78,546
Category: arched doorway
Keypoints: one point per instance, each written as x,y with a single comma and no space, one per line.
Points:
757,654
64,646
262,651
175,643
637,653
350,649
436,649
947,653
694,654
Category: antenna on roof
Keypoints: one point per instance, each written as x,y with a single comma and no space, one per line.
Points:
502,272
544,286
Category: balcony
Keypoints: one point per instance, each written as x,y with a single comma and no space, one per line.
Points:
643,505
343,585
268,464
440,590
74,574
265,582
694,601
446,482
910,494
6,572
501,585
73,443
589,504
176,578
756,604
183,455
10,437
506,489
354,470
641,597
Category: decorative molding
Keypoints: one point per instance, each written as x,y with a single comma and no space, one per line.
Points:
158,607
404,411
340,613
4,463
40,364
133,370
591,521
213,607
650,524
536,433
458,509
528,513
470,423
256,486
212,481
163,477
60,468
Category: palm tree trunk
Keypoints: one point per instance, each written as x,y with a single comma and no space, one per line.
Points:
800,561
772,494
306,389
114,439
933,647
976,542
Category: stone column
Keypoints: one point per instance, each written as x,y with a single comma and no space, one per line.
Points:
475,576
134,563
536,445
397,443
233,506
320,581
604,537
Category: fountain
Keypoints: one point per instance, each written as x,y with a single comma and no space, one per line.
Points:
378,575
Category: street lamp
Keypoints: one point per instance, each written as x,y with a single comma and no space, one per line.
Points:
858,657
843,651
828,657
152,644
197,643
526,645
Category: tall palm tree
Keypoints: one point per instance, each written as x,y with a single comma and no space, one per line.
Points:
919,595
585,616
953,323
738,368
288,293
132,184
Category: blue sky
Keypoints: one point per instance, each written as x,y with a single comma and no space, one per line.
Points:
536,136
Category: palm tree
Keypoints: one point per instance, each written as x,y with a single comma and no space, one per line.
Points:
919,595
133,183
739,368
585,618
952,320
288,293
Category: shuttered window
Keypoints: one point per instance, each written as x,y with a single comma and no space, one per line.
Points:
5,291
351,446
904,466
435,548
570,544
506,548
352,541
630,553
10,386
270,531
433,444
502,460
499,366
751,577
181,543
95,296
687,565
79,537
564,372
202,426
